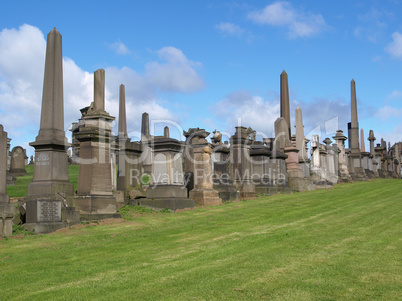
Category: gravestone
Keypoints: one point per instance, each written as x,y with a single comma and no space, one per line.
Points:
343,167
17,166
7,210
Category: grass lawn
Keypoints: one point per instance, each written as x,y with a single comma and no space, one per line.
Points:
338,244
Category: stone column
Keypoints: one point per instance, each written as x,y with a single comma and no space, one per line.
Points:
146,140
7,210
371,138
285,111
301,143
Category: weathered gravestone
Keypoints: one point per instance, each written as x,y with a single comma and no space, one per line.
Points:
17,166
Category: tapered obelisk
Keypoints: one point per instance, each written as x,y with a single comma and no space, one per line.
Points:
355,159
354,129
122,113
285,111
51,162
362,144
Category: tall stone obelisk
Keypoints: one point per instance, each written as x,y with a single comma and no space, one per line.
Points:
285,111
362,144
51,163
355,159
129,166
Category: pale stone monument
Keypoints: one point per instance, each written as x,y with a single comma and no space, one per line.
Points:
343,167
375,159
17,166
146,140
95,199
50,184
200,163
7,210
301,143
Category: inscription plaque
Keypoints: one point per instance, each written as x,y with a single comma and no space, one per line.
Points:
49,211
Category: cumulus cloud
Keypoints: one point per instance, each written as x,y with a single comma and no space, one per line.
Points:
175,74
229,29
395,47
245,109
22,57
283,14
119,47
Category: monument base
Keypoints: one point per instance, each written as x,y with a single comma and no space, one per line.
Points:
49,188
205,197
227,192
358,174
7,212
95,207
44,227
172,204
296,180
166,191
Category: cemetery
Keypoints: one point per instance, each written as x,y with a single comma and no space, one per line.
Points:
160,174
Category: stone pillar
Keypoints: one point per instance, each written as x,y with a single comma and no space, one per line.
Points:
129,153
146,139
50,185
7,210
296,179
355,159
371,138
95,198
51,163
241,163
285,111
343,167
301,144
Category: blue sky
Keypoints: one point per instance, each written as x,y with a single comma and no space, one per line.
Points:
208,64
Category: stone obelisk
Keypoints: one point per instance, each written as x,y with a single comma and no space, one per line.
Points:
122,113
146,140
285,111
7,210
362,144
129,166
51,163
355,159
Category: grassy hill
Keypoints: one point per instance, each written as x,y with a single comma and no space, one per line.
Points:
338,244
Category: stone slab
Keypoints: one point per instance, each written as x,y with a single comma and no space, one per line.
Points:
205,197
172,204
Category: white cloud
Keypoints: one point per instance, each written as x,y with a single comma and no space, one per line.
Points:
229,29
119,47
372,24
395,47
176,74
395,94
249,110
387,112
283,14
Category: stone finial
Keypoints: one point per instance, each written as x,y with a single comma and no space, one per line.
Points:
166,132
371,135
327,141
216,138
145,125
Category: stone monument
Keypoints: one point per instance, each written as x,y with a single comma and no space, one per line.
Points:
50,184
7,210
285,111
95,199
17,166
343,167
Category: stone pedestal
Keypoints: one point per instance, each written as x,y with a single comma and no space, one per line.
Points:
241,164
297,181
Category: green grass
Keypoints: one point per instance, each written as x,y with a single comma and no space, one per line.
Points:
20,187
338,244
